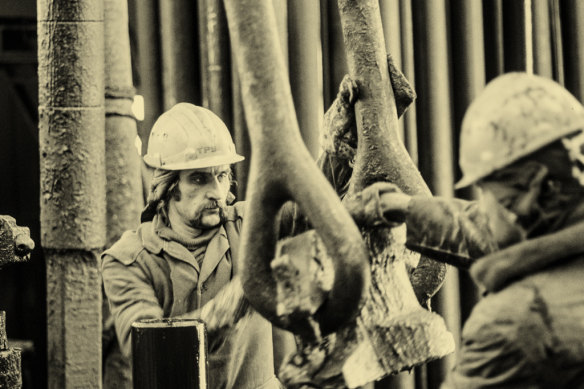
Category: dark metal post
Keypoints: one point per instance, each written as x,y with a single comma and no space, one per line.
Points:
169,353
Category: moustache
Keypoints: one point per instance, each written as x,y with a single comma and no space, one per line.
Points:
214,205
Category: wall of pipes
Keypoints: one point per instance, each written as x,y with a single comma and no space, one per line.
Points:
447,48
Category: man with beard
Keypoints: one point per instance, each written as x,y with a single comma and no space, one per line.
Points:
522,145
179,258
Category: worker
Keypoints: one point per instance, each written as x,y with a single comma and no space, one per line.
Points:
521,146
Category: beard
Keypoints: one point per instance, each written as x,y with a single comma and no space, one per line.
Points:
199,220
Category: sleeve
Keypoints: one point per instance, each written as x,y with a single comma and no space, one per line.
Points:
130,295
448,230
505,344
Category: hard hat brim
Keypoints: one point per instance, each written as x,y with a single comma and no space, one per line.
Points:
469,180
195,164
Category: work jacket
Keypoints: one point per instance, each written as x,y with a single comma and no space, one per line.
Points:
528,333
147,277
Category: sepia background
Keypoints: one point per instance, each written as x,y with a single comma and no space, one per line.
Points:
180,51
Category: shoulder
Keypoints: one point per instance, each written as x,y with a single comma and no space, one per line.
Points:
236,211
127,249
516,318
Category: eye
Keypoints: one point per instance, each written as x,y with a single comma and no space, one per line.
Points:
222,176
198,179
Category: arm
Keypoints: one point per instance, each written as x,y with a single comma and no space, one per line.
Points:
448,230
130,296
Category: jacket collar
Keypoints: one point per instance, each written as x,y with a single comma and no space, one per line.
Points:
216,249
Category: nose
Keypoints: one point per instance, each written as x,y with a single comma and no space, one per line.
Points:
214,189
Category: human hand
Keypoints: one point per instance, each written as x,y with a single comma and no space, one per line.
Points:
381,203
340,129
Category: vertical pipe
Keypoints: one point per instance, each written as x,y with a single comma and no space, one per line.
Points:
435,141
468,60
515,43
240,134
123,175
574,46
542,38
337,55
407,44
178,35
216,69
390,19
305,68
557,41
149,67
326,54
493,30
528,25
203,51
122,159
73,208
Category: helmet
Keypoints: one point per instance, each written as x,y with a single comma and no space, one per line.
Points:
189,137
515,115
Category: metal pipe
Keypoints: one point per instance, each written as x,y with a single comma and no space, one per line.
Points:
468,63
407,45
435,143
574,46
124,187
73,207
305,70
390,20
149,66
215,60
180,65
493,30
542,38
515,43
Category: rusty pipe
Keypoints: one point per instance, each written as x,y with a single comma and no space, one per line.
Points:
281,170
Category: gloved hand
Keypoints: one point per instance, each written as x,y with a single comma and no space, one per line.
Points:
381,203
340,129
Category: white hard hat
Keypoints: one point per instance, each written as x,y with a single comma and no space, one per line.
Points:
190,137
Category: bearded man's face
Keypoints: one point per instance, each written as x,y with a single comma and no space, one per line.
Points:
200,196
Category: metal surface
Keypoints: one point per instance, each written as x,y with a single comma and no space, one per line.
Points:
169,353
281,170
